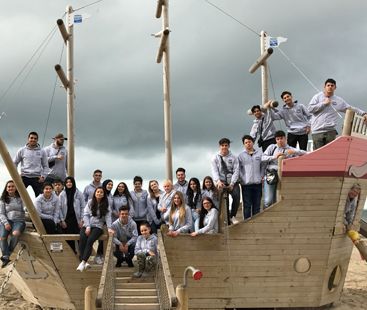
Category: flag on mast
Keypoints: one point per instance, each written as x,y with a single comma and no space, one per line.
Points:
274,41
79,18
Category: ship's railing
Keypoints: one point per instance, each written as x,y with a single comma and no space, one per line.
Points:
163,279
354,125
106,289
359,127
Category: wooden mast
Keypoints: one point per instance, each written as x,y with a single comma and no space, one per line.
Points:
68,82
163,52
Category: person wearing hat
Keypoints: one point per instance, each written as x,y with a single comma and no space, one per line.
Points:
57,158
225,172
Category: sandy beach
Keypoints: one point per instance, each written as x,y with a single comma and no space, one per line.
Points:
354,294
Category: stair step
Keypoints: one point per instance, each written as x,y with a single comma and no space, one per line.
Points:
139,285
150,306
135,292
129,279
136,300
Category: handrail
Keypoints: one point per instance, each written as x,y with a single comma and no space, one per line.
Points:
166,291
106,288
359,126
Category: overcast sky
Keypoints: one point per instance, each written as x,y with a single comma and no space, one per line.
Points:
119,105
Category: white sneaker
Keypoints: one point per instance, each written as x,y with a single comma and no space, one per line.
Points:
234,220
87,266
81,267
99,260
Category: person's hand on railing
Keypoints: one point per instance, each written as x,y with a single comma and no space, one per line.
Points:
111,232
365,118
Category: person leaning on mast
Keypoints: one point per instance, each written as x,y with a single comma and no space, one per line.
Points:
33,163
323,107
57,158
225,172
263,126
297,120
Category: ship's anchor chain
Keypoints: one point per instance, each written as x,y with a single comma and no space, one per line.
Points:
10,272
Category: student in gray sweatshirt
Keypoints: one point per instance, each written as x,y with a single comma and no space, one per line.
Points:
208,218
12,218
125,236
33,163
96,214
48,207
146,251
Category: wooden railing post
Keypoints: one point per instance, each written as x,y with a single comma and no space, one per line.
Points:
90,295
348,121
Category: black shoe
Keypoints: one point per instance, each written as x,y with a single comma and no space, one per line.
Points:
118,264
5,261
130,263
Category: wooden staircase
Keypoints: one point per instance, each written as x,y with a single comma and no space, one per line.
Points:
132,293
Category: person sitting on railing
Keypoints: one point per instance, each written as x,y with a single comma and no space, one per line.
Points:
208,218
146,251
323,107
351,206
96,214
209,190
12,218
270,157
180,218
71,209
125,236
193,199
165,200
48,207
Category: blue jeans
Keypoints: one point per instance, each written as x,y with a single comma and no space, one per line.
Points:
8,247
251,196
270,194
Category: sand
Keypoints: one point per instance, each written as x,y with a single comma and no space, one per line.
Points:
354,293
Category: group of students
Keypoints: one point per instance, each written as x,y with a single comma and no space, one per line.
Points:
185,207
133,217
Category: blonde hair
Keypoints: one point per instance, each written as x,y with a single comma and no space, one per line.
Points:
181,209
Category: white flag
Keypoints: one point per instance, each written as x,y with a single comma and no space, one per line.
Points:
274,41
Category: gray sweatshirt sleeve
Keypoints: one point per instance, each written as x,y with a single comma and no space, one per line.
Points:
188,222
213,220
86,216
3,217
134,236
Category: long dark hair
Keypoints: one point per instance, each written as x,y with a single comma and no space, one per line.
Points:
203,211
212,188
102,206
5,195
191,199
125,192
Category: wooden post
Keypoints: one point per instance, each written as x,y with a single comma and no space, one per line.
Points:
264,70
348,122
90,294
21,188
70,90
162,5
182,297
68,82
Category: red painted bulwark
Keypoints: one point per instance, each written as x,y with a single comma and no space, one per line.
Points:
334,159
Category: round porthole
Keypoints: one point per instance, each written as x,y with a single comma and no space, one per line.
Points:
302,265
334,278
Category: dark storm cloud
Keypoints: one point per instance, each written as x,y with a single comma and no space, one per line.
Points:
119,109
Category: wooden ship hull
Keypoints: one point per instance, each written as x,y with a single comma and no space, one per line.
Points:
293,254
